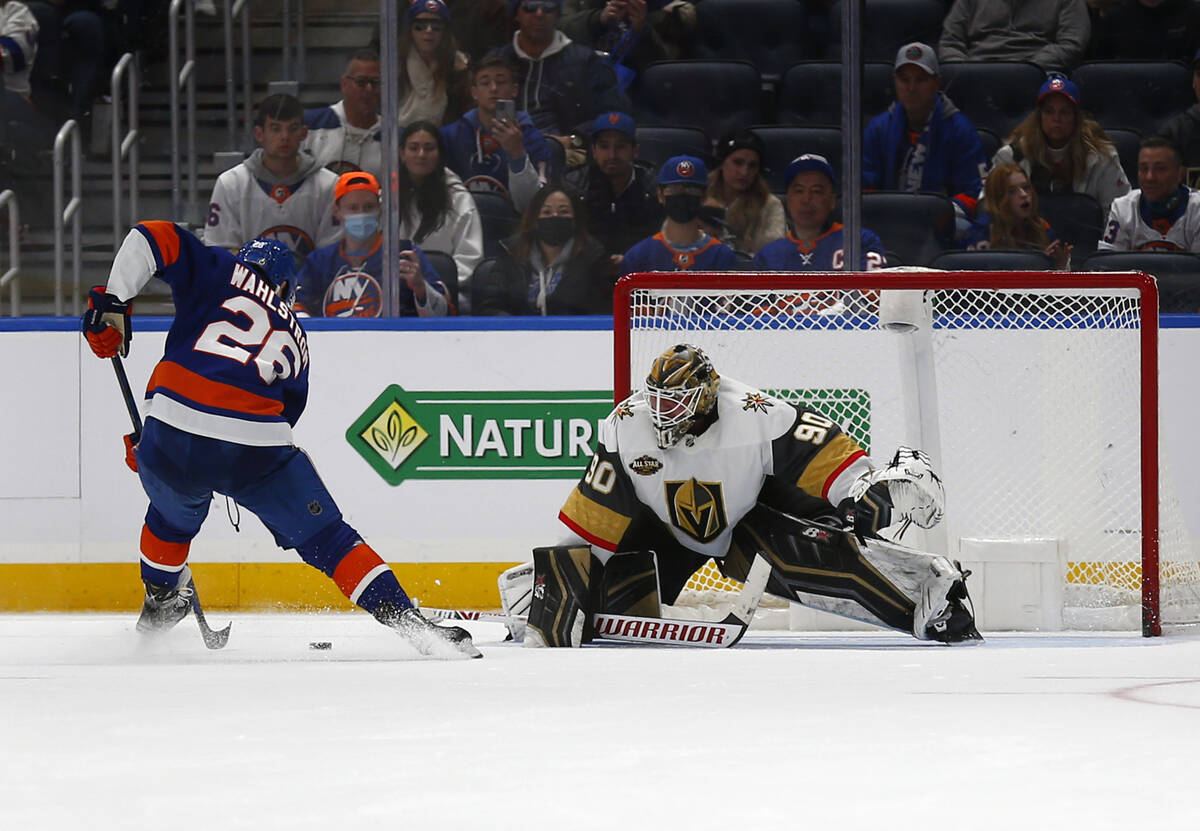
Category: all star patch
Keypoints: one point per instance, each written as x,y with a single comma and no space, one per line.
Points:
645,465
756,401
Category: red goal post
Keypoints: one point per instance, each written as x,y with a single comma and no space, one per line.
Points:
1020,353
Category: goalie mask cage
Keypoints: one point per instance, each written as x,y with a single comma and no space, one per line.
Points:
1035,394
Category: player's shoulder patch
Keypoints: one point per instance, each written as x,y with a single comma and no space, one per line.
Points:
757,402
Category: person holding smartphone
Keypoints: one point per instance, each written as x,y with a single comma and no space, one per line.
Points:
345,279
495,148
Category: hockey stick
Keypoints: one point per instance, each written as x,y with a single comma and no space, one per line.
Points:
213,639
653,630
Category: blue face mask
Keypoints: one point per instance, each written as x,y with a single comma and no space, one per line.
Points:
361,226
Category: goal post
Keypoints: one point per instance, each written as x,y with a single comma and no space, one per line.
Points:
1036,394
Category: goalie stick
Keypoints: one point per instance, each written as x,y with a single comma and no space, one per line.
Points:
653,630
213,638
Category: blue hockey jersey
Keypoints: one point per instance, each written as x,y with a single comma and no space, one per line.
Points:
824,254
335,285
235,365
656,254
482,163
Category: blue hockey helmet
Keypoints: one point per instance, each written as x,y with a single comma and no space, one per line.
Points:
273,261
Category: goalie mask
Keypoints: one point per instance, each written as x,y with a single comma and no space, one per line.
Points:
681,387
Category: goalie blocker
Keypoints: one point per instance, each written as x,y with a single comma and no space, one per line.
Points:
812,563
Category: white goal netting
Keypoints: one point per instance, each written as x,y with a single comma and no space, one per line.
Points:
1035,394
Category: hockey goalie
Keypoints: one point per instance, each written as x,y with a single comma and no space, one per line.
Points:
694,466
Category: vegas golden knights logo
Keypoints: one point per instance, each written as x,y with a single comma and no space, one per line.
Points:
697,509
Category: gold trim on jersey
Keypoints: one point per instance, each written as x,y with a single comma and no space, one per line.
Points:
593,520
827,461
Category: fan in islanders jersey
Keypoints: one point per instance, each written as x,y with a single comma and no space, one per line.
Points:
695,466
221,405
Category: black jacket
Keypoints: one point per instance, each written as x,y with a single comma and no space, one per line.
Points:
1185,130
619,222
586,287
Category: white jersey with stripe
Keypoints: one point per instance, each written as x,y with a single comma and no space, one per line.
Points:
1127,230
299,216
703,486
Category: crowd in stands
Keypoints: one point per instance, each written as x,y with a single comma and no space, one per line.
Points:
534,167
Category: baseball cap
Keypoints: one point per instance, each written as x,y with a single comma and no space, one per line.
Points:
917,54
683,170
427,7
1057,84
807,162
741,140
355,180
513,4
614,121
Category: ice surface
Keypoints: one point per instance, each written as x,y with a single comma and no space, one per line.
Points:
101,728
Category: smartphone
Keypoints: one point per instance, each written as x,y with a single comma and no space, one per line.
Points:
506,110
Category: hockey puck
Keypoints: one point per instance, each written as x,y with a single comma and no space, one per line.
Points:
320,645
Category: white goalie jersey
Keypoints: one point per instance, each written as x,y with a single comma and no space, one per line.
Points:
704,485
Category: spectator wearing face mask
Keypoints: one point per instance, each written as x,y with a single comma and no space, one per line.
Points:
345,279
681,245
553,266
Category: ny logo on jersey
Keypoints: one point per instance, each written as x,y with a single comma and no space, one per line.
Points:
697,509
354,294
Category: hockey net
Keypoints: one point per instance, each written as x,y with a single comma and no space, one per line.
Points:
1035,393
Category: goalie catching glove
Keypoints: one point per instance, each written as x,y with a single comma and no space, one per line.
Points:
915,490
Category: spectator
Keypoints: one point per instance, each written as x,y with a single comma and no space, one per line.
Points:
1009,218
1162,214
1063,151
20,123
345,278
815,242
553,266
622,29
345,136
562,85
436,209
1184,129
922,142
618,191
752,213
479,26
1158,30
277,193
72,55
1049,33
434,83
491,154
681,245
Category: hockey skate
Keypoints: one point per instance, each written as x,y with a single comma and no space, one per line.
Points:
427,637
944,611
165,606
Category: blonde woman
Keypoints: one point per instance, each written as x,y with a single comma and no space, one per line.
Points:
753,214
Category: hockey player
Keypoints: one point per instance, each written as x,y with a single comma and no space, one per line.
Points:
681,245
696,466
1162,214
277,193
232,383
815,241
344,279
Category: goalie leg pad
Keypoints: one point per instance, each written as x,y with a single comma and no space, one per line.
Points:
560,613
629,585
516,596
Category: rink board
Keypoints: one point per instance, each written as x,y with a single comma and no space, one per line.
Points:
455,510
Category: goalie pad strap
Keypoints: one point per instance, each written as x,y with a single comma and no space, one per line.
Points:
560,614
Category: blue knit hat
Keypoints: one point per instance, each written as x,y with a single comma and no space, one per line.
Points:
683,170
427,7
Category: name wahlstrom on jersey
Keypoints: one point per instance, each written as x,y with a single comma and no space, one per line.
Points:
703,486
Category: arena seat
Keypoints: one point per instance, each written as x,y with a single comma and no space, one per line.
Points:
990,141
1126,142
1135,95
916,226
657,144
498,218
479,276
995,95
988,260
714,96
1076,218
784,143
765,33
887,25
1177,272
447,270
810,93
